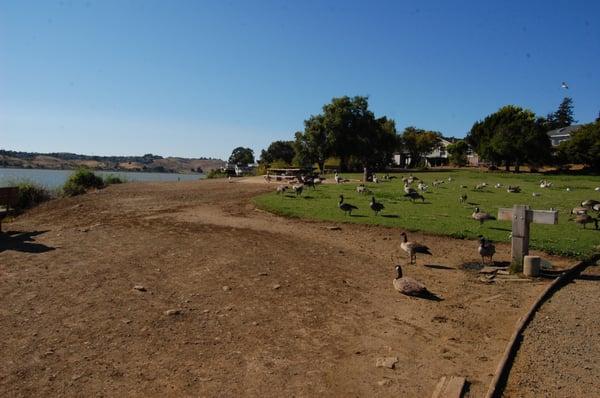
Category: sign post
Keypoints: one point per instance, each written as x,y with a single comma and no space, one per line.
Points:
521,216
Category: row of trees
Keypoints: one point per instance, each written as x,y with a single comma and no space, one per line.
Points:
347,130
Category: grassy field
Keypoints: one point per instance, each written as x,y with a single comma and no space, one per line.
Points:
443,214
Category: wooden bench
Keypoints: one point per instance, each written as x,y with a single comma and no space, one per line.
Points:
8,199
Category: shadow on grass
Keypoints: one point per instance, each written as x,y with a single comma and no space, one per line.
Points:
472,204
390,216
358,215
22,242
501,229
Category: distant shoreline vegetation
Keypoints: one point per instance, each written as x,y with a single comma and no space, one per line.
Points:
147,163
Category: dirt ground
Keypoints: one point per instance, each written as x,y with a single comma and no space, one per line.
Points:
560,352
265,306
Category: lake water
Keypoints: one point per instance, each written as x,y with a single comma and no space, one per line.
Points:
56,178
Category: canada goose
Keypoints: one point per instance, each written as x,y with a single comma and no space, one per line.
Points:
480,186
449,179
462,198
412,248
564,85
414,196
596,207
337,178
498,185
486,249
589,203
375,179
535,194
408,189
584,219
346,207
298,189
422,187
409,286
376,206
281,189
513,189
361,188
579,210
481,217
597,189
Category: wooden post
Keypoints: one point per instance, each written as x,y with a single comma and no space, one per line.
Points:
521,216
365,175
520,235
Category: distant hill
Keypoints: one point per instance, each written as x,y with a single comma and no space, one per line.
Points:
147,163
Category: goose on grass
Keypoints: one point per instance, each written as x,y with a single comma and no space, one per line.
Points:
376,206
481,216
346,207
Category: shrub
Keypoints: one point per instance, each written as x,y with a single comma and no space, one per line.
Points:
80,181
216,173
31,194
113,179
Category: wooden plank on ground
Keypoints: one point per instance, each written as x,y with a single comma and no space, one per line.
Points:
449,387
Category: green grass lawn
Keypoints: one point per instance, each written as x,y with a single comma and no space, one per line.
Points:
443,214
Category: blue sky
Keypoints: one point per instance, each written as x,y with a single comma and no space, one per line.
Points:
197,78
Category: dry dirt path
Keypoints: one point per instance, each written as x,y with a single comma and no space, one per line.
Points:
560,352
268,306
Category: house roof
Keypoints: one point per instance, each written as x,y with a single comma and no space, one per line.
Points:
564,131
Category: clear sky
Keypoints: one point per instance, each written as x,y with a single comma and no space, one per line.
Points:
197,78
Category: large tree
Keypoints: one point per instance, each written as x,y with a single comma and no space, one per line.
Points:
563,116
349,130
511,135
583,147
241,156
418,143
278,150
458,153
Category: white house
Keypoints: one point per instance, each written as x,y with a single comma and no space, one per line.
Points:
437,157
562,134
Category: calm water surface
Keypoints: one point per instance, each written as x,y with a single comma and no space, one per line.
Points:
56,178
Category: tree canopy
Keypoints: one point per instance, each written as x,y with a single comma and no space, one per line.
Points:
418,143
511,135
583,147
241,156
278,151
458,153
563,117
349,130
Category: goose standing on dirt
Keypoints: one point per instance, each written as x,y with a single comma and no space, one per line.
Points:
346,207
481,217
409,286
376,206
486,249
412,248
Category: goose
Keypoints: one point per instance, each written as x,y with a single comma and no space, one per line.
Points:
408,189
515,189
414,196
597,189
589,203
564,85
584,219
409,286
412,248
480,186
298,189
346,207
361,188
337,178
596,207
481,217
498,185
422,187
376,206
449,179
579,210
281,189
375,179
486,249
568,189
535,194
462,198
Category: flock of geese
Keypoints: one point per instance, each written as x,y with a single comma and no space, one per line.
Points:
486,249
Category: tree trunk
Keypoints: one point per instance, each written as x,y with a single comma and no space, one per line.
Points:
365,174
517,167
506,165
322,166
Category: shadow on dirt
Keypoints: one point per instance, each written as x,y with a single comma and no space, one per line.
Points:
22,242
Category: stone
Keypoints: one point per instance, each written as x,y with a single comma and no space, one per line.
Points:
263,274
384,382
173,312
275,287
226,288
139,288
386,362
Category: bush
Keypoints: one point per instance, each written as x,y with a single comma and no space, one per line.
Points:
216,173
80,181
30,195
113,179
